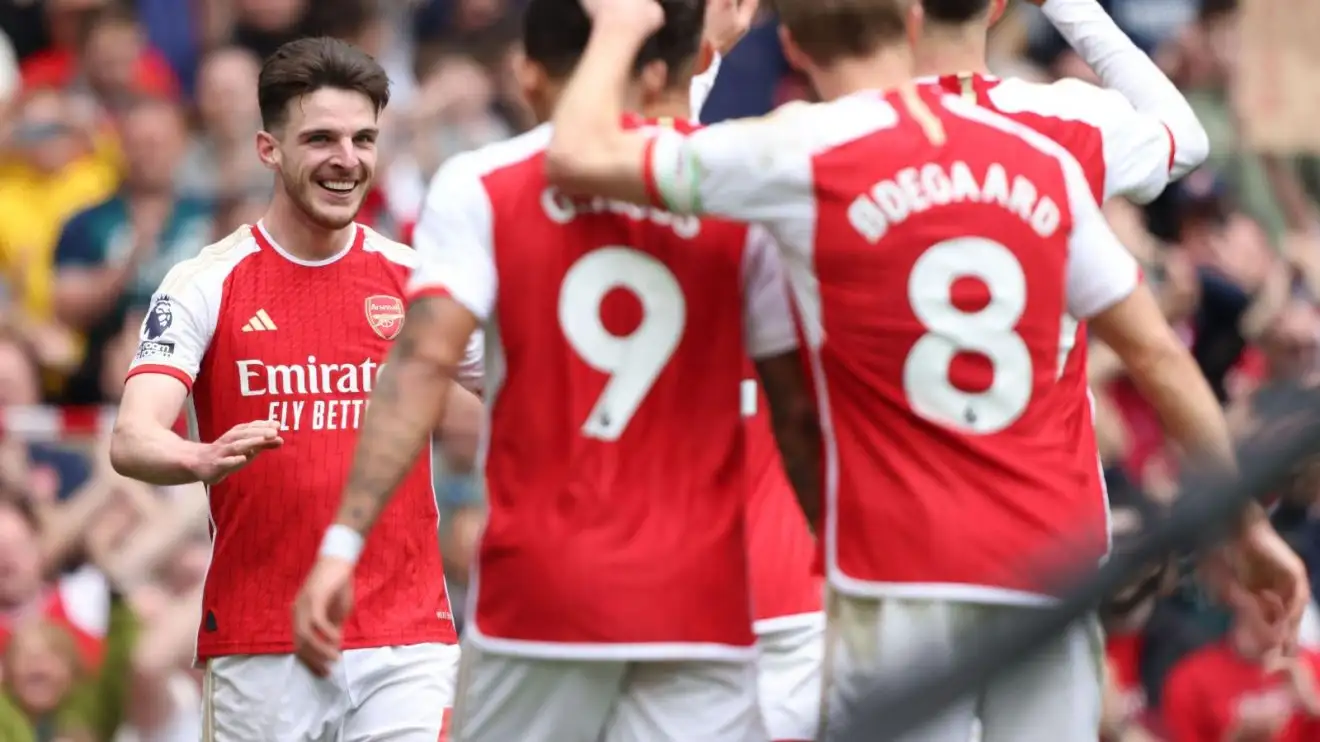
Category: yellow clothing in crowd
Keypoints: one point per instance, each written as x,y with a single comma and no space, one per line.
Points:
33,209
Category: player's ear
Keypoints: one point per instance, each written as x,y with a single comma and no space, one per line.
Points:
268,150
534,83
997,8
654,80
792,52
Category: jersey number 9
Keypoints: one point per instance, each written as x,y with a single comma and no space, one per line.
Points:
634,361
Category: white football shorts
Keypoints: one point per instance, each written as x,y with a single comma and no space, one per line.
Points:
791,652
385,694
1054,698
503,698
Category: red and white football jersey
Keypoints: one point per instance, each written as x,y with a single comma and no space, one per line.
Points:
785,584
616,340
1122,152
256,333
932,283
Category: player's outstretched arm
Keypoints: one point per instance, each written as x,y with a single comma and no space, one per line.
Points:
145,447
1123,67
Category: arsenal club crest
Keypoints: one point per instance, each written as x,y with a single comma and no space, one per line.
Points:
385,315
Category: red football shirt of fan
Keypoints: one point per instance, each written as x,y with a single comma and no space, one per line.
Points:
256,333
932,281
1208,691
616,339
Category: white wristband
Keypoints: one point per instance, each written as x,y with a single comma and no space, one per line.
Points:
342,542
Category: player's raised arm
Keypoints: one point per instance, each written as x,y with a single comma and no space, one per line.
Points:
175,336
750,170
1164,122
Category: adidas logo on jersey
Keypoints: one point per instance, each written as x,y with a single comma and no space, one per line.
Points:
260,322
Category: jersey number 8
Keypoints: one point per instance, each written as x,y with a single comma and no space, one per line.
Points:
633,362
989,331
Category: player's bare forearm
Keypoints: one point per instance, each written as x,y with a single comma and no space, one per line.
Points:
796,428
590,152
408,402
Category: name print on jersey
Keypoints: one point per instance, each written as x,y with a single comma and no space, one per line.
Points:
913,191
257,378
562,209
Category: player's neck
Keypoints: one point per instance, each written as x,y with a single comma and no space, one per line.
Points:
299,236
673,105
632,101
951,49
886,69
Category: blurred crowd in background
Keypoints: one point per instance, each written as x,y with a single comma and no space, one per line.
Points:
126,145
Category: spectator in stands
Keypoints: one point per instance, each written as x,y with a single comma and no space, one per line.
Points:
41,470
262,26
42,666
45,29
111,62
73,601
1125,617
112,256
1230,690
221,162
53,166
453,111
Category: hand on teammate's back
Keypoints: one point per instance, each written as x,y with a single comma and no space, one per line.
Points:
322,606
236,449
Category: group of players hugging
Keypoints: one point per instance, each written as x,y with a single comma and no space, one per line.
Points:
768,407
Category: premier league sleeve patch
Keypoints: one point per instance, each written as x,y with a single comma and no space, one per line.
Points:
154,350
158,319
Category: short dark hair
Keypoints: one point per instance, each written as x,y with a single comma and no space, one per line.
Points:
829,30
303,67
555,34
954,11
